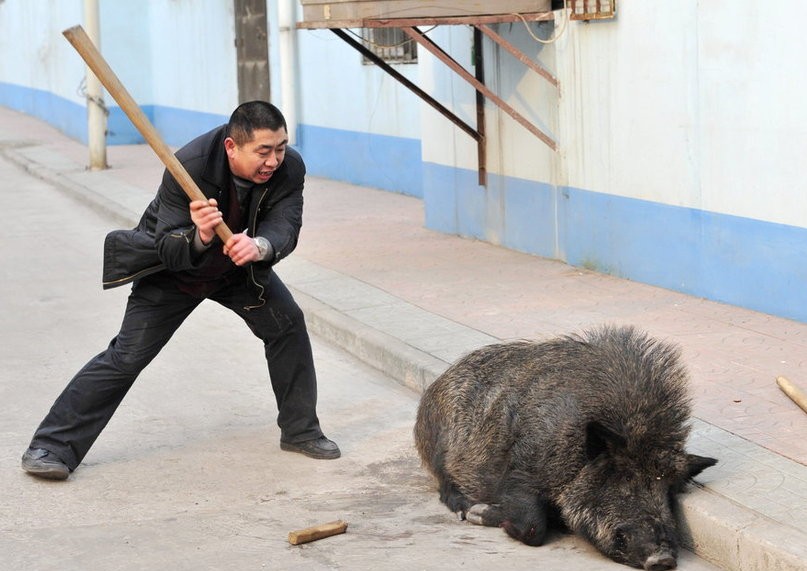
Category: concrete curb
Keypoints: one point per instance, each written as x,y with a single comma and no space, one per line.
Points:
110,204
404,363
735,537
716,527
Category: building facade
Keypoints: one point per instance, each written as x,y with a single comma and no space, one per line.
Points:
678,125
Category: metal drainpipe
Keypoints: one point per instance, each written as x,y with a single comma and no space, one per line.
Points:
96,111
288,64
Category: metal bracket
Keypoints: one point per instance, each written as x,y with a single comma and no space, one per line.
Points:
408,26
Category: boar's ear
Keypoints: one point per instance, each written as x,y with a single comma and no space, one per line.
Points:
697,464
600,440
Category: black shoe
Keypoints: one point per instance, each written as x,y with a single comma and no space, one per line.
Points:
320,448
44,464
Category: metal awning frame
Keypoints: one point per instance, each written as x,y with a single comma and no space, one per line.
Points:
481,27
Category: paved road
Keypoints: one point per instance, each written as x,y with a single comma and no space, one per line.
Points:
189,475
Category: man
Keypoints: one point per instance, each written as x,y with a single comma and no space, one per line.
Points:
254,183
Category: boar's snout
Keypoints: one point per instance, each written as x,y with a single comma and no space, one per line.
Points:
660,561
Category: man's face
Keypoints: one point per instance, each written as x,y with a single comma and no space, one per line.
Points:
258,159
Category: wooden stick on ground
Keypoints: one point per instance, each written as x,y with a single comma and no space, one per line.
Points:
794,392
317,532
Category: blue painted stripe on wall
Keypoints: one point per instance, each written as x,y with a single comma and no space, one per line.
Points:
121,131
440,200
176,126
456,204
69,118
629,238
528,220
749,263
379,161
179,126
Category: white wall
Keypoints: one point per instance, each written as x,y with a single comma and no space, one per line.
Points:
125,44
753,119
689,103
32,48
338,92
680,125
169,55
680,128
443,142
513,150
193,55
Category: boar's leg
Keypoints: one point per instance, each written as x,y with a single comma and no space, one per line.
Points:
522,515
525,517
490,515
452,497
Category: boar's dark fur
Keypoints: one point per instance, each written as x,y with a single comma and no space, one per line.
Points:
591,428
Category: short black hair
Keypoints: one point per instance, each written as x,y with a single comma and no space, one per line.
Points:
251,116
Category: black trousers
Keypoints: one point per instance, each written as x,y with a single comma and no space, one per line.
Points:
155,310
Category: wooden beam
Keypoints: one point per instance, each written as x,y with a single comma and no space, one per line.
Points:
369,54
319,10
481,143
437,52
427,21
518,54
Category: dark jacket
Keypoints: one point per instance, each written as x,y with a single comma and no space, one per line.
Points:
162,239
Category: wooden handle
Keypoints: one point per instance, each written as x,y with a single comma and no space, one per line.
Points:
791,390
317,532
95,61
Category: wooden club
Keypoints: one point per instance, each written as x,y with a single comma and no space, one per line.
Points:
95,61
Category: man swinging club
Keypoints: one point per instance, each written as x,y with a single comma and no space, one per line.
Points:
173,258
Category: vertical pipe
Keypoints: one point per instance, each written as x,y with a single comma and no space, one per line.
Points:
96,115
288,64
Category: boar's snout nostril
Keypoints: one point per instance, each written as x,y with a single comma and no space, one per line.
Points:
660,562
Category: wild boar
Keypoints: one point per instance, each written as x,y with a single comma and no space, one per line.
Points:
589,428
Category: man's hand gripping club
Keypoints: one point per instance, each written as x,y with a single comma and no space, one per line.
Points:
206,216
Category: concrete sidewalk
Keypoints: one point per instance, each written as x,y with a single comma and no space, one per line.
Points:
409,301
